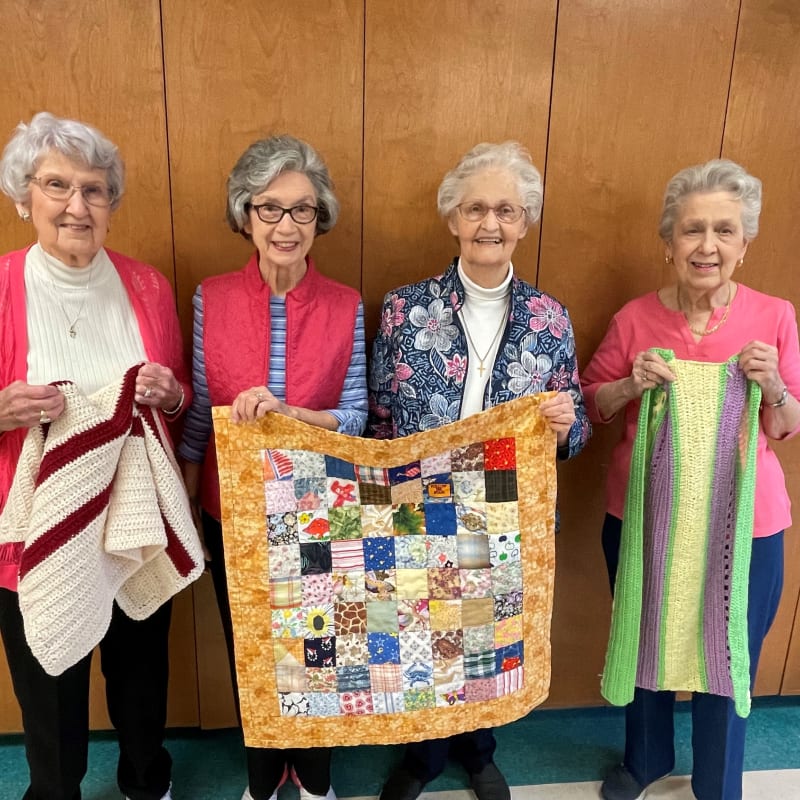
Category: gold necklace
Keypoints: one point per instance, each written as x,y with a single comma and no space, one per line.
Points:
708,331
482,360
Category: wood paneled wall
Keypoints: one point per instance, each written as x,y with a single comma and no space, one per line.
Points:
611,97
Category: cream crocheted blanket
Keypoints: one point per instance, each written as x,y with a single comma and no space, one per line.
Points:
99,505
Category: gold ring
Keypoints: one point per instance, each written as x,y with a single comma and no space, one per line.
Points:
148,392
43,418
260,396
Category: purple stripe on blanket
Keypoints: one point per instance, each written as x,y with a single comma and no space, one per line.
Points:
656,533
722,525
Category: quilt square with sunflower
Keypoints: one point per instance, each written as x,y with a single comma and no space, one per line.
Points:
388,591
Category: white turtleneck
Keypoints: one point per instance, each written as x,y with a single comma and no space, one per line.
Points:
483,317
93,301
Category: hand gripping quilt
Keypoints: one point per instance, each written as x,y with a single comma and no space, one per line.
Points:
388,591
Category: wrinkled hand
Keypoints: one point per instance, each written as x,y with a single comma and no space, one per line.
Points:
559,412
759,362
25,406
647,371
252,404
157,387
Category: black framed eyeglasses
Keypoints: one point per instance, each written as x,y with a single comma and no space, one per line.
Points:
95,194
505,212
269,212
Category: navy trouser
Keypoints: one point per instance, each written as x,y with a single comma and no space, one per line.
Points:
718,734
425,760
55,709
265,765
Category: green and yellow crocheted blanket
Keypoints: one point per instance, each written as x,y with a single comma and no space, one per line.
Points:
679,620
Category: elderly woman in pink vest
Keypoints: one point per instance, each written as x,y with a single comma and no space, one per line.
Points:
280,197
104,327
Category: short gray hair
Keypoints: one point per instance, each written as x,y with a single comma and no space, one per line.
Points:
510,156
717,175
77,141
262,162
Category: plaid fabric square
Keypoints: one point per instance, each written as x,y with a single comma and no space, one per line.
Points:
384,648
417,699
293,704
412,584
437,488
379,553
504,548
342,493
507,605
349,618
473,550
380,584
288,622
407,492
499,454
404,473
348,587
469,487
314,525
440,519
479,665
508,658
376,475
279,496
374,494
442,551
415,646
321,680
501,485
339,468
347,555
445,614
319,622
481,689
307,464
417,676
376,520
276,465
356,703
282,528
508,631
472,518
447,645
284,561
477,612
386,678
353,679
478,639
290,678
382,617
324,705
388,703
320,652
413,615
467,459
411,552
317,589
510,681
311,493
345,523
444,584
315,558
435,465
507,577
351,651
408,519
475,583
285,592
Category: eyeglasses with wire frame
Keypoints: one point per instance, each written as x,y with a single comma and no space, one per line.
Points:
269,212
476,212
95,194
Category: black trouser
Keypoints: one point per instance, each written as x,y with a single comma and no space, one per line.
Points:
265,766
475,749
55,710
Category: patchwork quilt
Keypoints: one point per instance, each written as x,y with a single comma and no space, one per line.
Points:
388,591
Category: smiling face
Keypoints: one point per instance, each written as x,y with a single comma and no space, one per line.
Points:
283,245
70,230
487,245
707,241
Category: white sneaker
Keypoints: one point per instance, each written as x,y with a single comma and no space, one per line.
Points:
248,796
167,796
306,795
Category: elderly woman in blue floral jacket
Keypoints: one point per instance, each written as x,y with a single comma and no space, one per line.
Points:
464,341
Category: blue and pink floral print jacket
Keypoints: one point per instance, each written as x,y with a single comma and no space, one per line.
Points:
419,359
